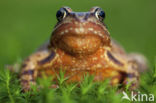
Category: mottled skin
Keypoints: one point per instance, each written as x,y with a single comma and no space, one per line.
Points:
80,44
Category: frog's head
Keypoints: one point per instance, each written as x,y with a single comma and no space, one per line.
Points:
80,33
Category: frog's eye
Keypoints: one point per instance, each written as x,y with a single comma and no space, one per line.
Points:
100,14
61,14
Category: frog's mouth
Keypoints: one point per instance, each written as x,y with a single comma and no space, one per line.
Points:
79,40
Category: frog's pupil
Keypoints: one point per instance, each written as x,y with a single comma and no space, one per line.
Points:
102,14
59,15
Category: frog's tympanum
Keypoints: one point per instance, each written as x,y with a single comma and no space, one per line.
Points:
80,44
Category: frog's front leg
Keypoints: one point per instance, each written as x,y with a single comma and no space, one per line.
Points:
32,64
131,80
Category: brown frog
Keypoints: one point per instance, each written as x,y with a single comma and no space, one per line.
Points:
80,44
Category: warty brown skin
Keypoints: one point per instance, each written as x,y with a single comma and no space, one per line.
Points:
80,43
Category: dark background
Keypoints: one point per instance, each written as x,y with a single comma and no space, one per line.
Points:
26,24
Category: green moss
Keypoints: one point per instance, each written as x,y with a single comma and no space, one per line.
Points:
87,92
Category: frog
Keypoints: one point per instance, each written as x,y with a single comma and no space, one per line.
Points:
80,44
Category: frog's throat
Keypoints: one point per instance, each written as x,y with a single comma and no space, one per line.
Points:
80,39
